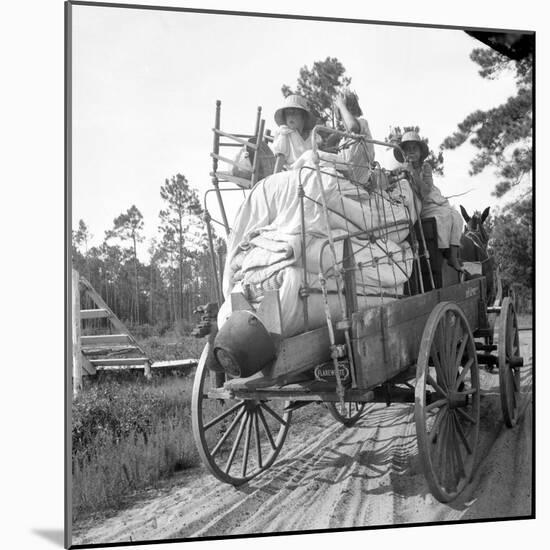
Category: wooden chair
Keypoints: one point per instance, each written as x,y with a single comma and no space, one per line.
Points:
259,154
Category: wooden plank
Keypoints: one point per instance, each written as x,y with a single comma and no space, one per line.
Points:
98,300
228,177
301,352
174,364
407,309
77,356
231,162
239,302
87,366
104,350
467,295
236,137
105,339
119,361
386,338
120,368
94,313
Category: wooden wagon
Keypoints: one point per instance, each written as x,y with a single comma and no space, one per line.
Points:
424,347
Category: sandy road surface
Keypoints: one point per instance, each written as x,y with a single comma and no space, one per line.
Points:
329,476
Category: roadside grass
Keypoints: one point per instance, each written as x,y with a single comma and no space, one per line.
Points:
129,433
172,346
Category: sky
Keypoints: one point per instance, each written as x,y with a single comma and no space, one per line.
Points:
145,85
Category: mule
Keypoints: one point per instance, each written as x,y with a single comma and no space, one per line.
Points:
473,248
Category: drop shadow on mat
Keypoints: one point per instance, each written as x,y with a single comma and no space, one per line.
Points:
53,535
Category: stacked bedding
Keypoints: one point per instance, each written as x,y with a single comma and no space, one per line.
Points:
265,246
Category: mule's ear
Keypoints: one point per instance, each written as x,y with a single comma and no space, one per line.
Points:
485,214
464,214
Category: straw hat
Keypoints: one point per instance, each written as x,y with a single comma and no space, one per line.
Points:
411,137
295,102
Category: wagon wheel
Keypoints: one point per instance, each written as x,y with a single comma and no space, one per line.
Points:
447,401
237,439
509,362
346,413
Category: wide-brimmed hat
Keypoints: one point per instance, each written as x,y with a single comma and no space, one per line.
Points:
411,137
295,102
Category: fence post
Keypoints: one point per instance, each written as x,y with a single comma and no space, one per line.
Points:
77,362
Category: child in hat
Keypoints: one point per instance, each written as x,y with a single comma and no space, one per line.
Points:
293,137
434,204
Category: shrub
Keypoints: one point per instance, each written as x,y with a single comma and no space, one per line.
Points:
127,436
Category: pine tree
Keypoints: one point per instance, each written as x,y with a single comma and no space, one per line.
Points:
503,134
320,85
128,226
182,213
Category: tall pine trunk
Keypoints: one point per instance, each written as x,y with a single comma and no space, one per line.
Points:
181,263
151,292
137,282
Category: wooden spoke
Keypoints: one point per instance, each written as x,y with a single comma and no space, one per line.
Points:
223,415
462,436
456,446
448,338
247,444
266,428
442,375
257,435
447,450
454,344
442,448
466,416
226,431
236,443
273,413
435,358
460,352
435,428
435,385
465,371
453,473
436,404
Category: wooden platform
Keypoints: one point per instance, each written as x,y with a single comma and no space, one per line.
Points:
138,364
116,352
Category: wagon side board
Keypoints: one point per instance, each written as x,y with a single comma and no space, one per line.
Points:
295,355
386,339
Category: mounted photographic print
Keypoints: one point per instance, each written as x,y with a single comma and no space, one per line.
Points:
300,274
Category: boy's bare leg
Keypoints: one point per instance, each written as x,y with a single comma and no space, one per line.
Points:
452,257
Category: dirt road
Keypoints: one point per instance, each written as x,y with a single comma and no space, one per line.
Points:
329,476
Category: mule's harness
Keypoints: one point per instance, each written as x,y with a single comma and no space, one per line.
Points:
478,243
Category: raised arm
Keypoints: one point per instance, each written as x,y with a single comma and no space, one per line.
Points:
350,122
